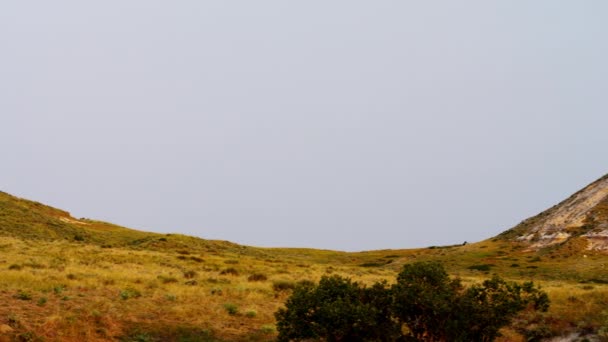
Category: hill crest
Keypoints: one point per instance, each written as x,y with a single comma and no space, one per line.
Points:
582,217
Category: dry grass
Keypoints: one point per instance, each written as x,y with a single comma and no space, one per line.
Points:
64,279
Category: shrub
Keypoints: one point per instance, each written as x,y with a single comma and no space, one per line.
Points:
129,293
425,304
482,267
189,274
257,277
283,285
167,279
231,309
336,310
41,301
230,271
15,267
251,313
23,295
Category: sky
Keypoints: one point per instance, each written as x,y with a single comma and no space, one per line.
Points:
345,125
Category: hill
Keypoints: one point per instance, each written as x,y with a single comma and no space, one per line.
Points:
69,279
581,220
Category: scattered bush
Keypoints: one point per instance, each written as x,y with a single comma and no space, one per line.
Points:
231,309
231,262
283,285
41,301
251,313
257,277
481,267
23,295
197,259
268,329
15,267
230,271
129,293
167,279
190,274
59,289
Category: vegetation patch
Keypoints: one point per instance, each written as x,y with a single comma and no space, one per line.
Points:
481,267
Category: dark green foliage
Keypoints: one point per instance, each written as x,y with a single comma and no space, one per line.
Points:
23,295
424,305
482,267
423,299
337,310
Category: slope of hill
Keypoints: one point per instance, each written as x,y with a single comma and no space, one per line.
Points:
580,220
31,220
68,279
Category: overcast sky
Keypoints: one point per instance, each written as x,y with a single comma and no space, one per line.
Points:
349,125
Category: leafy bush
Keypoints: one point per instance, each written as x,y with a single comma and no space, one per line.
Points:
425,304
336,310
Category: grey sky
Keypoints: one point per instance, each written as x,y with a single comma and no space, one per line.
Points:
345,125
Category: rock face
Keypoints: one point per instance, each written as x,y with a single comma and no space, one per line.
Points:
583,215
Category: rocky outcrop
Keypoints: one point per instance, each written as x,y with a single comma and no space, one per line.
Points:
584,214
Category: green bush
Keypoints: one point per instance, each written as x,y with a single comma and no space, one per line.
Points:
232,309
482,267
425,304
23,295
129,293
337,310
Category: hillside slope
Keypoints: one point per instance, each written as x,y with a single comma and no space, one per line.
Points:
581,219
30,220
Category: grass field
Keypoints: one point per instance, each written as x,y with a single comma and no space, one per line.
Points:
67,279
73,291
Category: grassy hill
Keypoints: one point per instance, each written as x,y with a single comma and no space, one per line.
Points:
68,279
